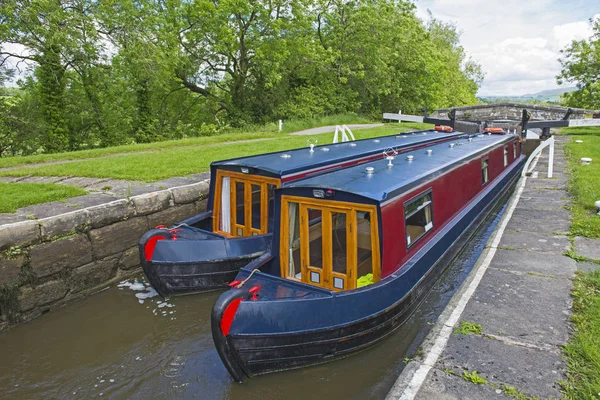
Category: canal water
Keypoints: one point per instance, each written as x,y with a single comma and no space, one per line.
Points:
122,344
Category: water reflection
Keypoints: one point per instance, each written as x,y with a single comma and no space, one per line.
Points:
112,345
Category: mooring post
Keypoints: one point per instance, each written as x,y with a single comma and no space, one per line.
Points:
280,125
551,157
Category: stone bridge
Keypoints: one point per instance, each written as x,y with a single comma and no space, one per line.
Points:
513,111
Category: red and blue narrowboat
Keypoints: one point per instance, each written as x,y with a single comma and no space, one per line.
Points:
354,252
206,251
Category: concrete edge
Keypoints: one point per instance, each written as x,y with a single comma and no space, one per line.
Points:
430,344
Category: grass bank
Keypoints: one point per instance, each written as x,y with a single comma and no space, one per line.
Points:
185,160
583,350
584,184
231,135
17,195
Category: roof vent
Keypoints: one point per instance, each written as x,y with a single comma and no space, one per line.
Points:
424,133
401,137
325,148
376,141
429,152
410,158
369,170
470,139
286,155
451,145
312,147
352,144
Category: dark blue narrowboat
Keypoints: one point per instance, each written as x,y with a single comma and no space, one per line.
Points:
354,252
205,252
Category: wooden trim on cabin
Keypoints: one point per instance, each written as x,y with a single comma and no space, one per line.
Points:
248,180
327,207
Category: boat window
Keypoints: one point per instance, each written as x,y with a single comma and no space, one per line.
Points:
240,213
365,269
485,171
514,150
339,249
505,156
418,214
333,245
243,203
225,220
256,206
315,248
294,270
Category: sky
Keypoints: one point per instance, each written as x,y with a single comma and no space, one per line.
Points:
516,42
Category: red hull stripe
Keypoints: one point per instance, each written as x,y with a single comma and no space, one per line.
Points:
150,245
229,315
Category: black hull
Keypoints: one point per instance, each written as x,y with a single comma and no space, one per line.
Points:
248,355
195,262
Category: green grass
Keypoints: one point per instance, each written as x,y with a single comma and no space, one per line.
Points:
474,378
258,132
583,350
182,161
585,180
17,195
467,327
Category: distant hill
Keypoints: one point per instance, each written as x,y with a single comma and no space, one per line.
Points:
545,96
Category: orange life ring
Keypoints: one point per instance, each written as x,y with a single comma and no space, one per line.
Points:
443,128
493,130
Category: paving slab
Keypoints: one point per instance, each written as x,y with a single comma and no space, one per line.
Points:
550,264
10,218
173,182
538,203
529,193
532,371
530,241
81,182
589,248
588,266
530,308
45,210
443,386
540,221
89,200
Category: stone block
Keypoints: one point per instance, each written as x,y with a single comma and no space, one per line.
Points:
172,215
51,257
201,206
150,203
40,295
190,193
589,248
65,224
19,234
93,274
106,214
10,267
130,259
118,237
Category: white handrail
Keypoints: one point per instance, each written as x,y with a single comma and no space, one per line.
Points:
546,143
345,137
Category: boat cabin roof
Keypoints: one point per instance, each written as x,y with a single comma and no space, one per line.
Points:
383,183
288,162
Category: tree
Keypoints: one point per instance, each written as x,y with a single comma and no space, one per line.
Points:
581,65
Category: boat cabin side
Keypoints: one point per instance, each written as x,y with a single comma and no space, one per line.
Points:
341,241
240,202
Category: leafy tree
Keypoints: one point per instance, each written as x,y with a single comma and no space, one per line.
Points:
581,65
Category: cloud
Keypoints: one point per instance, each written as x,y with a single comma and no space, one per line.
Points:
517,43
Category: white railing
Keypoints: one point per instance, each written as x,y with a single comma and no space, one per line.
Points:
535,155
346,136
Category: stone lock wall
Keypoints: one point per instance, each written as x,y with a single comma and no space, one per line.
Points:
510,111
48,262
